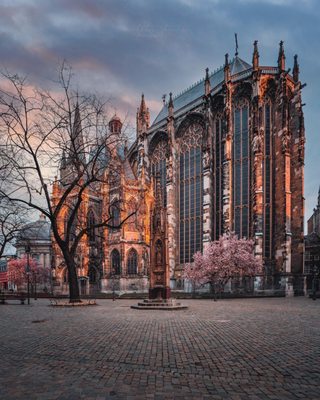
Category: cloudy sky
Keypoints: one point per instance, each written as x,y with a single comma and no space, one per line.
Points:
122,48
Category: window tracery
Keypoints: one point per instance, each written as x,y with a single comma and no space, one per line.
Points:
132,262
190,191
241,167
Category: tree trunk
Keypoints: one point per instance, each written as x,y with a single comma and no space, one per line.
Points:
74,293
213,291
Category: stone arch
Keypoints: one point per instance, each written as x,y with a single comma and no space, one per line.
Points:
115,262
158,137
132,261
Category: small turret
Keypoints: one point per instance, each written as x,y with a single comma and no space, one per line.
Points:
170,105
226,69
281,58
115,125
255,57
143,117
207,85
295,72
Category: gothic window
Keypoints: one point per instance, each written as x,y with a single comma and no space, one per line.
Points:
267,181
65,276
115,215
91,223
190,192
158,166
241,169
132,209
92,275
219,161
115,262
132,262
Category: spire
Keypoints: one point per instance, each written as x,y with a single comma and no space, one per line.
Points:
237,47
170,105
143,108
296,70
281,58
319,197
143,117
207,85
63,160
255,57
77,130
226,68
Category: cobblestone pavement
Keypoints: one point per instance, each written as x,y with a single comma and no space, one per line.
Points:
230,349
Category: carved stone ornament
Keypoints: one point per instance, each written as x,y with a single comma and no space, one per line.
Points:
285,139
192,137
257,142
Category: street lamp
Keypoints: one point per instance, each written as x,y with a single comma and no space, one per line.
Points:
28,250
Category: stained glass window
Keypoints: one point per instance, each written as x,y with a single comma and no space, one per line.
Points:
219,160
132,262
241,171
115,262
190,193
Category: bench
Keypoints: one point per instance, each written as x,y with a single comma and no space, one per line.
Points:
6,297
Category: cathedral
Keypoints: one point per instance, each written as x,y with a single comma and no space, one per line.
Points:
226,154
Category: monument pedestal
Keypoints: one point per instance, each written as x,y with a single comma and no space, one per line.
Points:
159,304
159,293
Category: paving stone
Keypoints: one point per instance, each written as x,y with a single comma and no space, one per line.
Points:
239,349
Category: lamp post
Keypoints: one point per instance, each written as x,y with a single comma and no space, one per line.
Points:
27,248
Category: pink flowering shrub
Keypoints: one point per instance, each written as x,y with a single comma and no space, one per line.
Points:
222,259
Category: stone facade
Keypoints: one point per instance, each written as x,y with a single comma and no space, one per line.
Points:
229,153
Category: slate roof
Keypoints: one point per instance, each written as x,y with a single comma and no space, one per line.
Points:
39,230
196,91
128,173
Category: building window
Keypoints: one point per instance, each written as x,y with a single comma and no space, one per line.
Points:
92,275
241,170
190,192
158,166
91,229
267,177
132,262
115,262
115,215
218,168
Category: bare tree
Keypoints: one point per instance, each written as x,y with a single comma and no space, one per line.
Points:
58,130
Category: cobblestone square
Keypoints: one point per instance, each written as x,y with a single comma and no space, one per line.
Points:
230,349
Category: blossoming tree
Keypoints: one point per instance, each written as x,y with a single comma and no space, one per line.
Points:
17,272
222,259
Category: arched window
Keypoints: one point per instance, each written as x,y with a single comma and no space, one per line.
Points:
132,208
218,175
115,262
132,262
91,229
241,169
92,275
115,214
190,191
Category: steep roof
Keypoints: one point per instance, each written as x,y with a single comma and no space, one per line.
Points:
38,230
196,91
